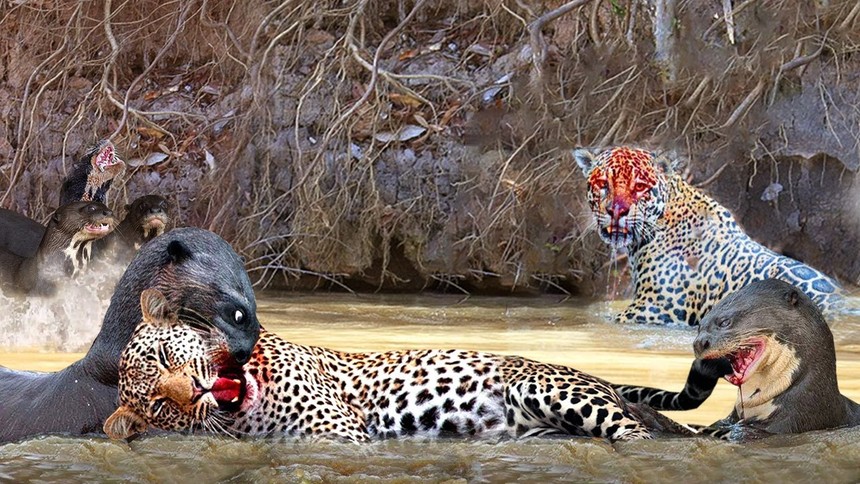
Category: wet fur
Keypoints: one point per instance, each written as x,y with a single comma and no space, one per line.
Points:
193,268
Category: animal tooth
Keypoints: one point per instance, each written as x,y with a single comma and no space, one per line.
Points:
237,381
234,400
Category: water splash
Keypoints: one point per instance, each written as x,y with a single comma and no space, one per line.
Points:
67,321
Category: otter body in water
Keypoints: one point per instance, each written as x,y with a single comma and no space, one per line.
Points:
771,341
66,246
196,270
783,361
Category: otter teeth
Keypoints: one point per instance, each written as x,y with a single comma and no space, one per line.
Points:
234,400
237,381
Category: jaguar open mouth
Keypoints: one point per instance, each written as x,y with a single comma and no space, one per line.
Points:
229,390
617,235
744,360
97,228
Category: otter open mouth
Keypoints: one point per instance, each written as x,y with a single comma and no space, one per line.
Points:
97,229
154,222
744,360
106,158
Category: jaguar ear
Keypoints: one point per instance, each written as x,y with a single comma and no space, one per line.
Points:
662,163
155,308
124,423
178,252
585,159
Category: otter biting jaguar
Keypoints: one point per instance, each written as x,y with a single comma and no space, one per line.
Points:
172,377
195,269
66,247
781,357
686,250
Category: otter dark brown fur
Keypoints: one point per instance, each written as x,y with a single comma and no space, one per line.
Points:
66,246
92,175
146,218
196,270
771,341
783,361
89,180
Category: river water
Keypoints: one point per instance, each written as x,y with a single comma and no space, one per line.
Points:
569,332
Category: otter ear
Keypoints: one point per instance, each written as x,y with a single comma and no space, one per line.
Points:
124,423
56,217
792,297
178,252
128,207
154,307
662,163
585,159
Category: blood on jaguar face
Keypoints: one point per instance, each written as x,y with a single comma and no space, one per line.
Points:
625,193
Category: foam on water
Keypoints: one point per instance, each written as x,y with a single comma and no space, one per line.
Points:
67,321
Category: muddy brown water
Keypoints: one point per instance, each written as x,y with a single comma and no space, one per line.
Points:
570,332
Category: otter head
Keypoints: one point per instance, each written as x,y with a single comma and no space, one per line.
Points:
626,192
102,165
149,214
765,330
170,376
82,221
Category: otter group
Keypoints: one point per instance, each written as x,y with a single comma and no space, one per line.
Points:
35,258
212,367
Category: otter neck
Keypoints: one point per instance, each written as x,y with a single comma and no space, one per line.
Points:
74,249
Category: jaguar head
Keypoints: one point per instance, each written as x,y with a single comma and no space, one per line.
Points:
626,192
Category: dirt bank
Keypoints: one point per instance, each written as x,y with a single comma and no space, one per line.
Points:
403,145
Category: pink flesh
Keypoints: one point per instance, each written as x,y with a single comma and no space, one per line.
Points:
226,390
741,360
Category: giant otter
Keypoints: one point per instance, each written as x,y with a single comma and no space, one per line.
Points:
89,180
92,175
196,270
783,361
65,246
772,342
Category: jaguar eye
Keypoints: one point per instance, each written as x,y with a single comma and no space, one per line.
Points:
641,187
239,316
157,406
162,356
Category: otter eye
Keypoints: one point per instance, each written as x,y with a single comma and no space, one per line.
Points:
239,316
724,323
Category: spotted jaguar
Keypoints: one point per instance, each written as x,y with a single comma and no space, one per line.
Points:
176,375
686,250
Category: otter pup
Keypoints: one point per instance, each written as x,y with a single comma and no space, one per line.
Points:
193,268
92,175
66,245
146,219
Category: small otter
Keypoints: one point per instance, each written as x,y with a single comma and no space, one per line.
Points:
92,175
146,218
90,179
66,245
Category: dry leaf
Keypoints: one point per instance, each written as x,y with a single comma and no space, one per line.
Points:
406,133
